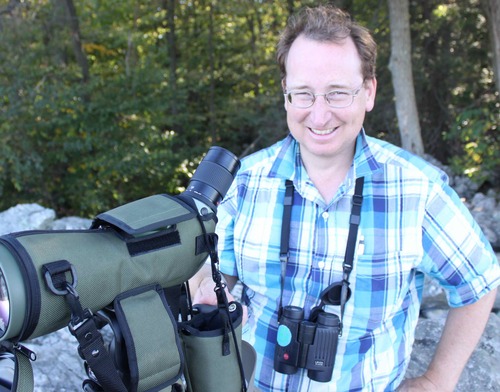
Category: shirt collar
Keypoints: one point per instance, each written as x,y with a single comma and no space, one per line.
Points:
364,162
288,164
287,160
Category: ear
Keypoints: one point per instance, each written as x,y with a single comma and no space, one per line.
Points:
370,92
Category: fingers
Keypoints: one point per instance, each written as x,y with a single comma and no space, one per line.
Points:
206,295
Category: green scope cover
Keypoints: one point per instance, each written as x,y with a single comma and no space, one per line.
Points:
156,240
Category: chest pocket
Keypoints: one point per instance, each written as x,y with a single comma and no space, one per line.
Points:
381,288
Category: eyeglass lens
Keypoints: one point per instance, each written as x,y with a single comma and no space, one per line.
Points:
305,99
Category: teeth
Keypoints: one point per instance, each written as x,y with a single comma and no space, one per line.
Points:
322,131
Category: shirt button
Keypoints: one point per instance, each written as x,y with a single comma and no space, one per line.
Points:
325,215
321,264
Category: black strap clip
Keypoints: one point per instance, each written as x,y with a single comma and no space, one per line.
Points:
357,200
55,276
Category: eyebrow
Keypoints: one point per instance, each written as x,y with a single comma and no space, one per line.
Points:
330,87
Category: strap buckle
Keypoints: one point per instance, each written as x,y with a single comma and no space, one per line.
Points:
357,200
55,276
284,257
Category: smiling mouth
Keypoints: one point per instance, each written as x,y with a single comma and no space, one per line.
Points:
322,132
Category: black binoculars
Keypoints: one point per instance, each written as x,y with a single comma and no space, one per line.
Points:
311,345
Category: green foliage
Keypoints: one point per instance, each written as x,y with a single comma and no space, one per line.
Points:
477,130
453,75
152,106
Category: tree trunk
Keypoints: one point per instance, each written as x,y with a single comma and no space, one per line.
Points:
250,17
81,57
492,11
211,57
172,51
402,76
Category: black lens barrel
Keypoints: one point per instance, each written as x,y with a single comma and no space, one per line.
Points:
214,176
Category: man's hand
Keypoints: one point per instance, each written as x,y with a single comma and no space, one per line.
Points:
203,293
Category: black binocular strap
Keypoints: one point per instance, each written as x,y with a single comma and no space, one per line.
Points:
285,238
354,220
347,265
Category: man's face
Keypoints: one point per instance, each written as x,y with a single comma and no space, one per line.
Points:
320,67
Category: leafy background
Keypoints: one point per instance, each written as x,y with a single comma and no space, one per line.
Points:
122,99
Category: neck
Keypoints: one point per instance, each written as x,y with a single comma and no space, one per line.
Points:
327,174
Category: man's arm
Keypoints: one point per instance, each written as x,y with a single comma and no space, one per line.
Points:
462,331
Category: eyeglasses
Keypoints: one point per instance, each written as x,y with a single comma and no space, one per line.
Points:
338,99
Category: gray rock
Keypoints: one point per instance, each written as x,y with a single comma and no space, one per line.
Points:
26,217
58,366
464,186
486,212
434,301
71,223
482,371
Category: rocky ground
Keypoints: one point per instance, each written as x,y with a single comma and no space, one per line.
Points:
58,367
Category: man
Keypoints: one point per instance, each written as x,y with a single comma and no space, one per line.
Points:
411,223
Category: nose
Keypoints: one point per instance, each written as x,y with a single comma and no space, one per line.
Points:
320,112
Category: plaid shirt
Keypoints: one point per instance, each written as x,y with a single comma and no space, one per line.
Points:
412,223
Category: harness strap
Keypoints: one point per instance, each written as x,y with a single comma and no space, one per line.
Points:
347,264
26,381
83,327
22,370
91,348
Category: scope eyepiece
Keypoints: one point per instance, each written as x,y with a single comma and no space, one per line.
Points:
214,176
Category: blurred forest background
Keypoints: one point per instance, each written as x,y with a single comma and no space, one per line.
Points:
104,102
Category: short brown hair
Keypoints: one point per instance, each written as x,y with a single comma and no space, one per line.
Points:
328,24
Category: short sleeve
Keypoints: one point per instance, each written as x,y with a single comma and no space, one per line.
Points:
456,252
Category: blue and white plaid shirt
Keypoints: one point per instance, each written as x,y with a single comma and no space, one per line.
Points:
412,223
